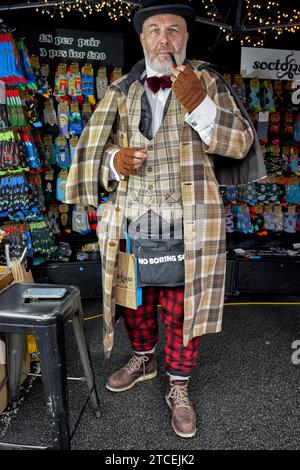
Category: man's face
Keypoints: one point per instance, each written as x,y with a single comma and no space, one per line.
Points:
163,35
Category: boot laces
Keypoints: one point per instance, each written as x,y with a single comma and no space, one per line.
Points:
135,363
179,393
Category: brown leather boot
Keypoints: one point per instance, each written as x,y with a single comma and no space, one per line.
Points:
138,368
183,415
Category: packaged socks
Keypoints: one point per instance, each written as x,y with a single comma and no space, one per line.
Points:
116,74
11,71
290,220
87,113
53,219
62,152
254,94
75,126
49,187
73,144
239,87
274,128
101,82
74,81
61,81
267,97
87,77
50,152
61,185
241,218
80,222
65,221
229,220
262,127
63,118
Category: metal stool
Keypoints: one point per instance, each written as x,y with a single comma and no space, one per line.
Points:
45,319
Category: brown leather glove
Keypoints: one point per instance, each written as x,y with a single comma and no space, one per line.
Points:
188,89
124,161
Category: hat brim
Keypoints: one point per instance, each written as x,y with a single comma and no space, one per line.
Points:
184,11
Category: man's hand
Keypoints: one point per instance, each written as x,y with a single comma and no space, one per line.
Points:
187,87
127,161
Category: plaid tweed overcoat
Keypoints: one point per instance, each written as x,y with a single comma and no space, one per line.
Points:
203,213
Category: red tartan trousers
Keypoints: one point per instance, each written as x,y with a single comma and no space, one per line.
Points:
142,328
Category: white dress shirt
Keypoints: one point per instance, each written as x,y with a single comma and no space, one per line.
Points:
202,119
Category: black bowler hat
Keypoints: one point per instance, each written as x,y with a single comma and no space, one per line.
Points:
157,7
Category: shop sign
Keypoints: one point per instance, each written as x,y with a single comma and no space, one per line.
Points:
62,45
273,64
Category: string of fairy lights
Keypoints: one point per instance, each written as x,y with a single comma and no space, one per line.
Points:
261,19
115,9
255,22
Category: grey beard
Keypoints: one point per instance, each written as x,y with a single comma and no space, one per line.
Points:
165,68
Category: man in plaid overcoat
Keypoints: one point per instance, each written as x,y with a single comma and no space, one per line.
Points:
151,143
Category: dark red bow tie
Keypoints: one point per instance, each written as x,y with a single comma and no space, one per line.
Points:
155,83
